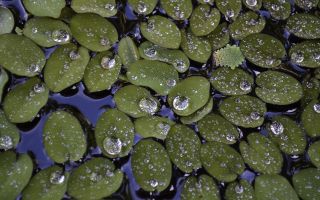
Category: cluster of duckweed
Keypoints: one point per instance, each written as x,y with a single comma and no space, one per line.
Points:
169,99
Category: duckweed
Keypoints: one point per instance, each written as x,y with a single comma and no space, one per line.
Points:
9,134
7,20
128,51
178,10
313,153
306,183
44,8
143,7
241,190
104,8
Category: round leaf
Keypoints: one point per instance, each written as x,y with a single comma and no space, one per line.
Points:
204,20
306,183
304,25
279,10
241,190
104,8
50,8
219,37
7,20
306,54
230,9
311,114
314,153
143,7
128,51
178,10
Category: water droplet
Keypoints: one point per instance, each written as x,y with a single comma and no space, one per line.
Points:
34,68
251,2
316,107
229,14
239,189
150,52
148,105
104,41
316,57
150,26
109,6
180,65
230,137
57,178
39,88
255,115
275,7
6,142
179,14
109,173
154,183
60,36
107,63
94,177
142,7
112,146
245,86
171,82
74,55
270,61
297,57
276,128
34,30
164,128
180,103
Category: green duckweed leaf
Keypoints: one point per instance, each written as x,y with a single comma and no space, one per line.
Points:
49,8
213,127
153,126
261,154
3,81
219,37
306,5
7,20
102,71
311,90
241,190
114,133
174,57
136,101
287,134
229,56
199,114
143,7
128,51
156,75
66,14
230,9
47,184
245,111
47,32
196,48
221,161
246,24
306,183
161,31
63,137
200,188
310,115
232,81
306,53
95,179
15,173
24,101
304,25
104,8
278,88
204,20
189,95
254,5
270,187
151,165
31,58
9,134
93,31
279,10
178,10
65,67
183,146
263,50
314,153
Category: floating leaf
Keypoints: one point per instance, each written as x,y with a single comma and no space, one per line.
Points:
199,114
278,88
95,179
63,137
143,7
93,31
230,9
151,165
245,111
156,75
50,8
114,133
304,25
7,20
104,8
66,14
178,10
24,101
306,53
219,37
311,90
311,114
128,51
279,10
221,161
261,154
229,56
313,153
183,146
254,5
306,5
3,81
161,31
306,183
241,190
204,20
65,67
31,58
9,134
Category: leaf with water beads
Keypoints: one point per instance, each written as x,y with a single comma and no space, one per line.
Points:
219,37
230,8
177,10
306,53
3,81
65,67
143,7
114,133
311,90
241,190
313,153
304,25
183,146
310,115
136,101
128,51
221,161
287,134
24,101
198,188
196,48
204,20
261,154
213,127
7,20
174,57
254,5
151,165
156,75
246,111
270,187
263,50
307,183
104,8
9,134
20,55
15,173
189,95
279,10
63,137
153,126
199,114
45,8
95,179
306,5
161,31
232,81
93,31
102,71
246,24
278,88
47,184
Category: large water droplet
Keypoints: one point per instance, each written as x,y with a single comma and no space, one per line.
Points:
239,189
112,146
180,65
148,105
34,68
164,128
6,142
275,7
255,115
180,102
245,86
316,107
171,82
57,178
150,52
142,8
60,36
276,128
107,63
39,88
230,137
74,55
229,14
154,183
251,2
